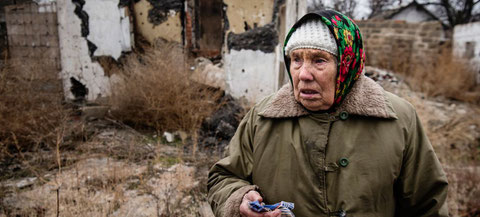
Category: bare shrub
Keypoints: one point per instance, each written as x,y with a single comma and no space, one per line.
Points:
464,191
155,91
32,112
436,75
447,76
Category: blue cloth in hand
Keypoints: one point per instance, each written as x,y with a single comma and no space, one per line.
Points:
284,207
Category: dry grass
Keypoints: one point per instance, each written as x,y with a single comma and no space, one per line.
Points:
155,91
453,130
464,191
32,112
439,75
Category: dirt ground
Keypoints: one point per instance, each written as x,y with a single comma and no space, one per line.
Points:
111,169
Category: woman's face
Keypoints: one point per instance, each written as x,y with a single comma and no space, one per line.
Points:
313,73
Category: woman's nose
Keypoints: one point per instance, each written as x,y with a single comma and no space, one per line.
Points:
306,72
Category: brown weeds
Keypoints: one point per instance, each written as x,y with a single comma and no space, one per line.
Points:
32,112
447,76
155,91
436,75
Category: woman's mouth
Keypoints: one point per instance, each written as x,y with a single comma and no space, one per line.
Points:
308,93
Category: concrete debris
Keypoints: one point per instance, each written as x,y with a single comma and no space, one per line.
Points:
94,112
380,75
219,128
225,130
263,38
168,136
24,183
207,73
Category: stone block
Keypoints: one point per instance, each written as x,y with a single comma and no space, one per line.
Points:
35,28
13,29
49,41
42,29
434,34
53,29
51,53
17,41
426,40
30,41
23,52
10,18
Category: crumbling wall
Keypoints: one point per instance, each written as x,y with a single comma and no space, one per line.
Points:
243,15
159,19
88,29
251,41
387,41
32,34
109,27
466,44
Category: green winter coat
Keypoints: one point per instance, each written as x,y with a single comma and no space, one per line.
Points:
369,158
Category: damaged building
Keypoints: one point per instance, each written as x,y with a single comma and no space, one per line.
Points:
244,34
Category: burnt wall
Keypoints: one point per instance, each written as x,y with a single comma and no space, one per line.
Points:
160,9
261,38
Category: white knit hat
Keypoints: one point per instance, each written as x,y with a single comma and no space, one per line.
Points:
312,34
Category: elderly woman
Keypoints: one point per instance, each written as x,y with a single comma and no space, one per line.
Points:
332,141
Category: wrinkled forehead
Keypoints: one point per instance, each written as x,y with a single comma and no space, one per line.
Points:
311,52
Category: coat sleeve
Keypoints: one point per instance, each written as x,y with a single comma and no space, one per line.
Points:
422,185
230,178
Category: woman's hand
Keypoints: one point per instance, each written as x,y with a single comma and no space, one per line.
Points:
245,210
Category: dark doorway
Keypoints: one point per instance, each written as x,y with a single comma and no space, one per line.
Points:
209,31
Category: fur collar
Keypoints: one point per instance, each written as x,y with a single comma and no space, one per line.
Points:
366,98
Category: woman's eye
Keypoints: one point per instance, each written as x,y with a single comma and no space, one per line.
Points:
297,60
319,61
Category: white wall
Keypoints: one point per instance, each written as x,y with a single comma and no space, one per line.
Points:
109,27
109,31
250,74
253,74
468,34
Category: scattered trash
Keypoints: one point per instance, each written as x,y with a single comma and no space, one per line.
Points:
168,136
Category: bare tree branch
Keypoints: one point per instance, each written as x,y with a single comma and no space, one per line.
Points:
455,12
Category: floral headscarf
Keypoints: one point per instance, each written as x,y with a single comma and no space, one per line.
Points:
351,54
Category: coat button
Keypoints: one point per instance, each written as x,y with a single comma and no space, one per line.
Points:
343,115
343,161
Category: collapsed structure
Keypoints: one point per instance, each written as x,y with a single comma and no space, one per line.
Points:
245,34
75,36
